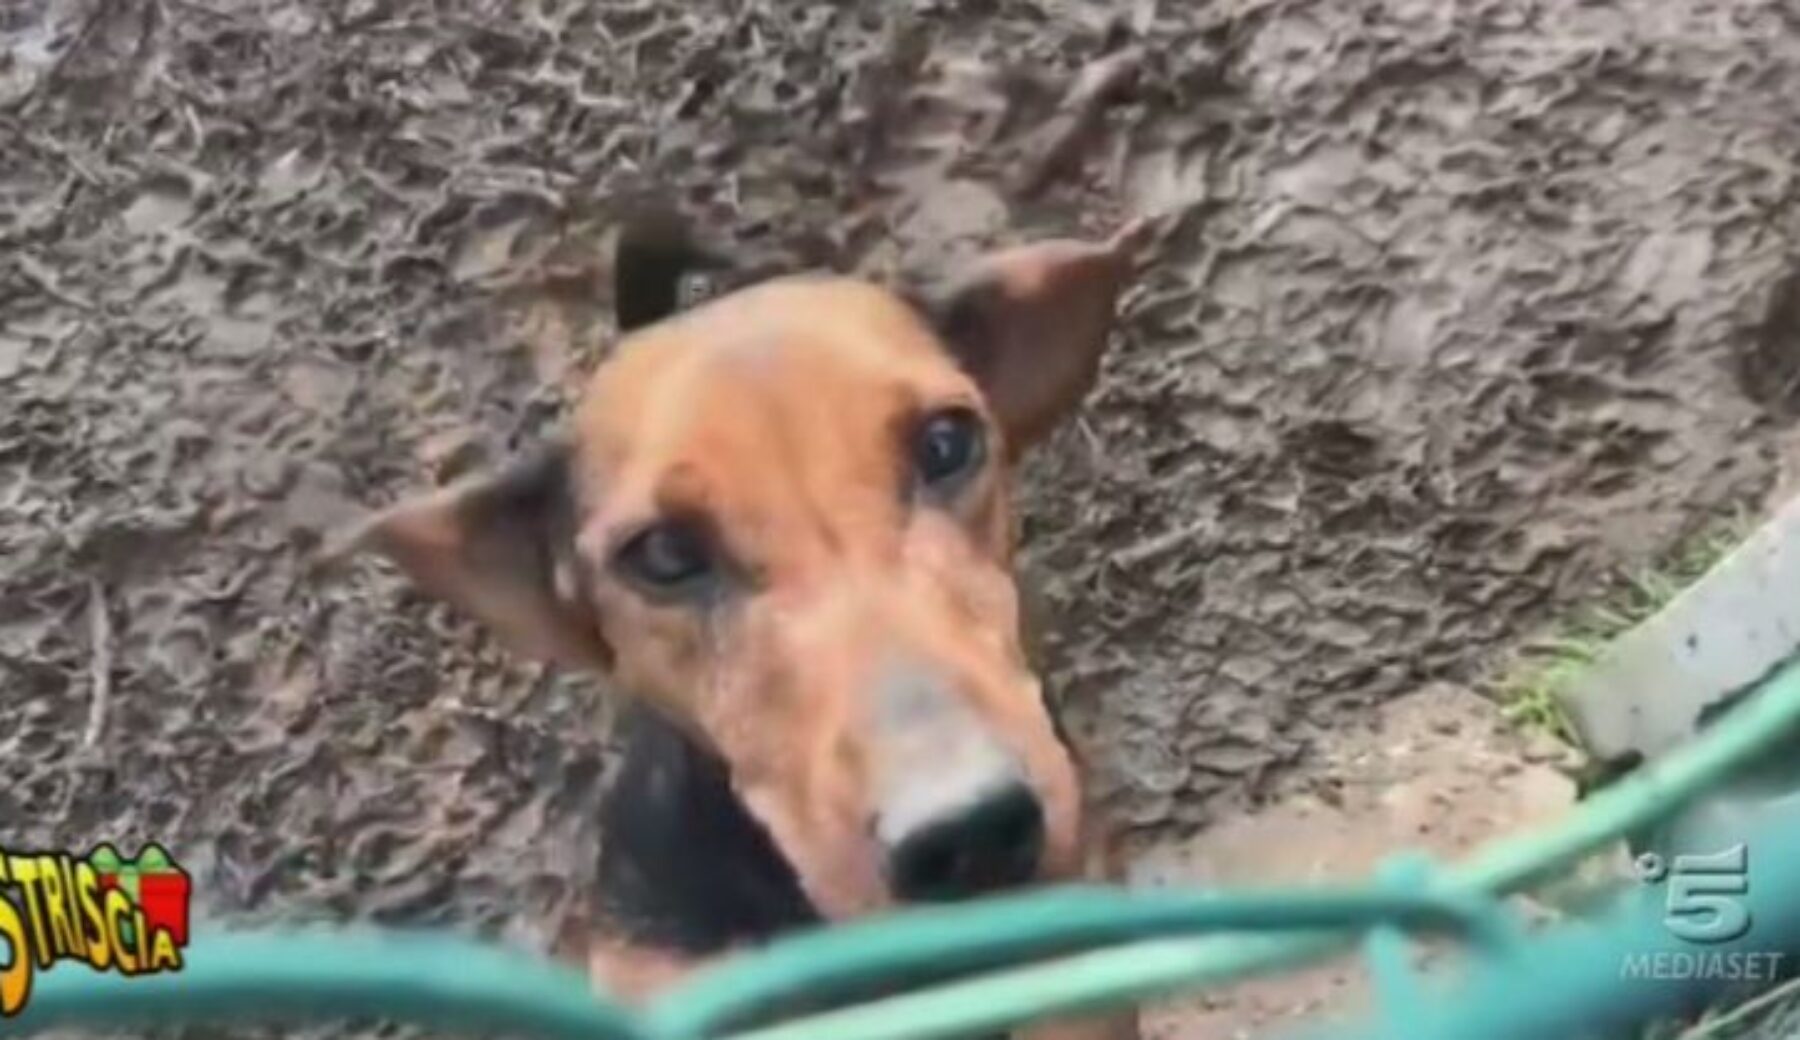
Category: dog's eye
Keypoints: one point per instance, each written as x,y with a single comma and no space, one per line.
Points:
948,446
669,557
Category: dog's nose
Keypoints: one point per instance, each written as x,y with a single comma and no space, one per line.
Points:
994,840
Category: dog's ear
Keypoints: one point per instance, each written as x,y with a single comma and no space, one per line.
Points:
500,547
1031,323
660,267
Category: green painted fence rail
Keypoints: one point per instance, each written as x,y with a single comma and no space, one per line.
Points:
1027,957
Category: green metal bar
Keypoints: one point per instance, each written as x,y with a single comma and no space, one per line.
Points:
456,985
1144,971
1601,977
857,960
434,980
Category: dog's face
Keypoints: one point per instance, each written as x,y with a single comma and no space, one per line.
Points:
782,518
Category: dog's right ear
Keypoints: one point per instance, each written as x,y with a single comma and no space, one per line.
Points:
500,547
660,267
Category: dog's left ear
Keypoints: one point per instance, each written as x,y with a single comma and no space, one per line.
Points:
1030,324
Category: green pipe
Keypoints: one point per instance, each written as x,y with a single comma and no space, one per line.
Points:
863,958
1144,971
454,984
434,980
452,981
1604,975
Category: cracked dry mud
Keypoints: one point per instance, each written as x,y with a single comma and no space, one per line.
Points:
1462,306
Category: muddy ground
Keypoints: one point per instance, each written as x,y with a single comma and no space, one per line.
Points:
1464,305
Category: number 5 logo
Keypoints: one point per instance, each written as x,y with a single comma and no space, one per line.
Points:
1702,904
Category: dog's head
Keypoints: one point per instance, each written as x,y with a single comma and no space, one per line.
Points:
781,516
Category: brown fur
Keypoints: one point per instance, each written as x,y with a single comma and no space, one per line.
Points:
781,409
779,415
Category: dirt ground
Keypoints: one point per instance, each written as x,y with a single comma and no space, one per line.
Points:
1440,773
1464,305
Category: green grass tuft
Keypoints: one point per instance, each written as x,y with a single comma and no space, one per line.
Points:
1531,689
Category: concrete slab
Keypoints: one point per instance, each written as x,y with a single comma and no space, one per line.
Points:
1647,691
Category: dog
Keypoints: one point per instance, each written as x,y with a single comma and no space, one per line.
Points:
779,523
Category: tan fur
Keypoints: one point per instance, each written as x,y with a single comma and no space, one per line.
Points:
782,414
784,409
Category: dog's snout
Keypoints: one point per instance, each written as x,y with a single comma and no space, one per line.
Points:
956,814
992,841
